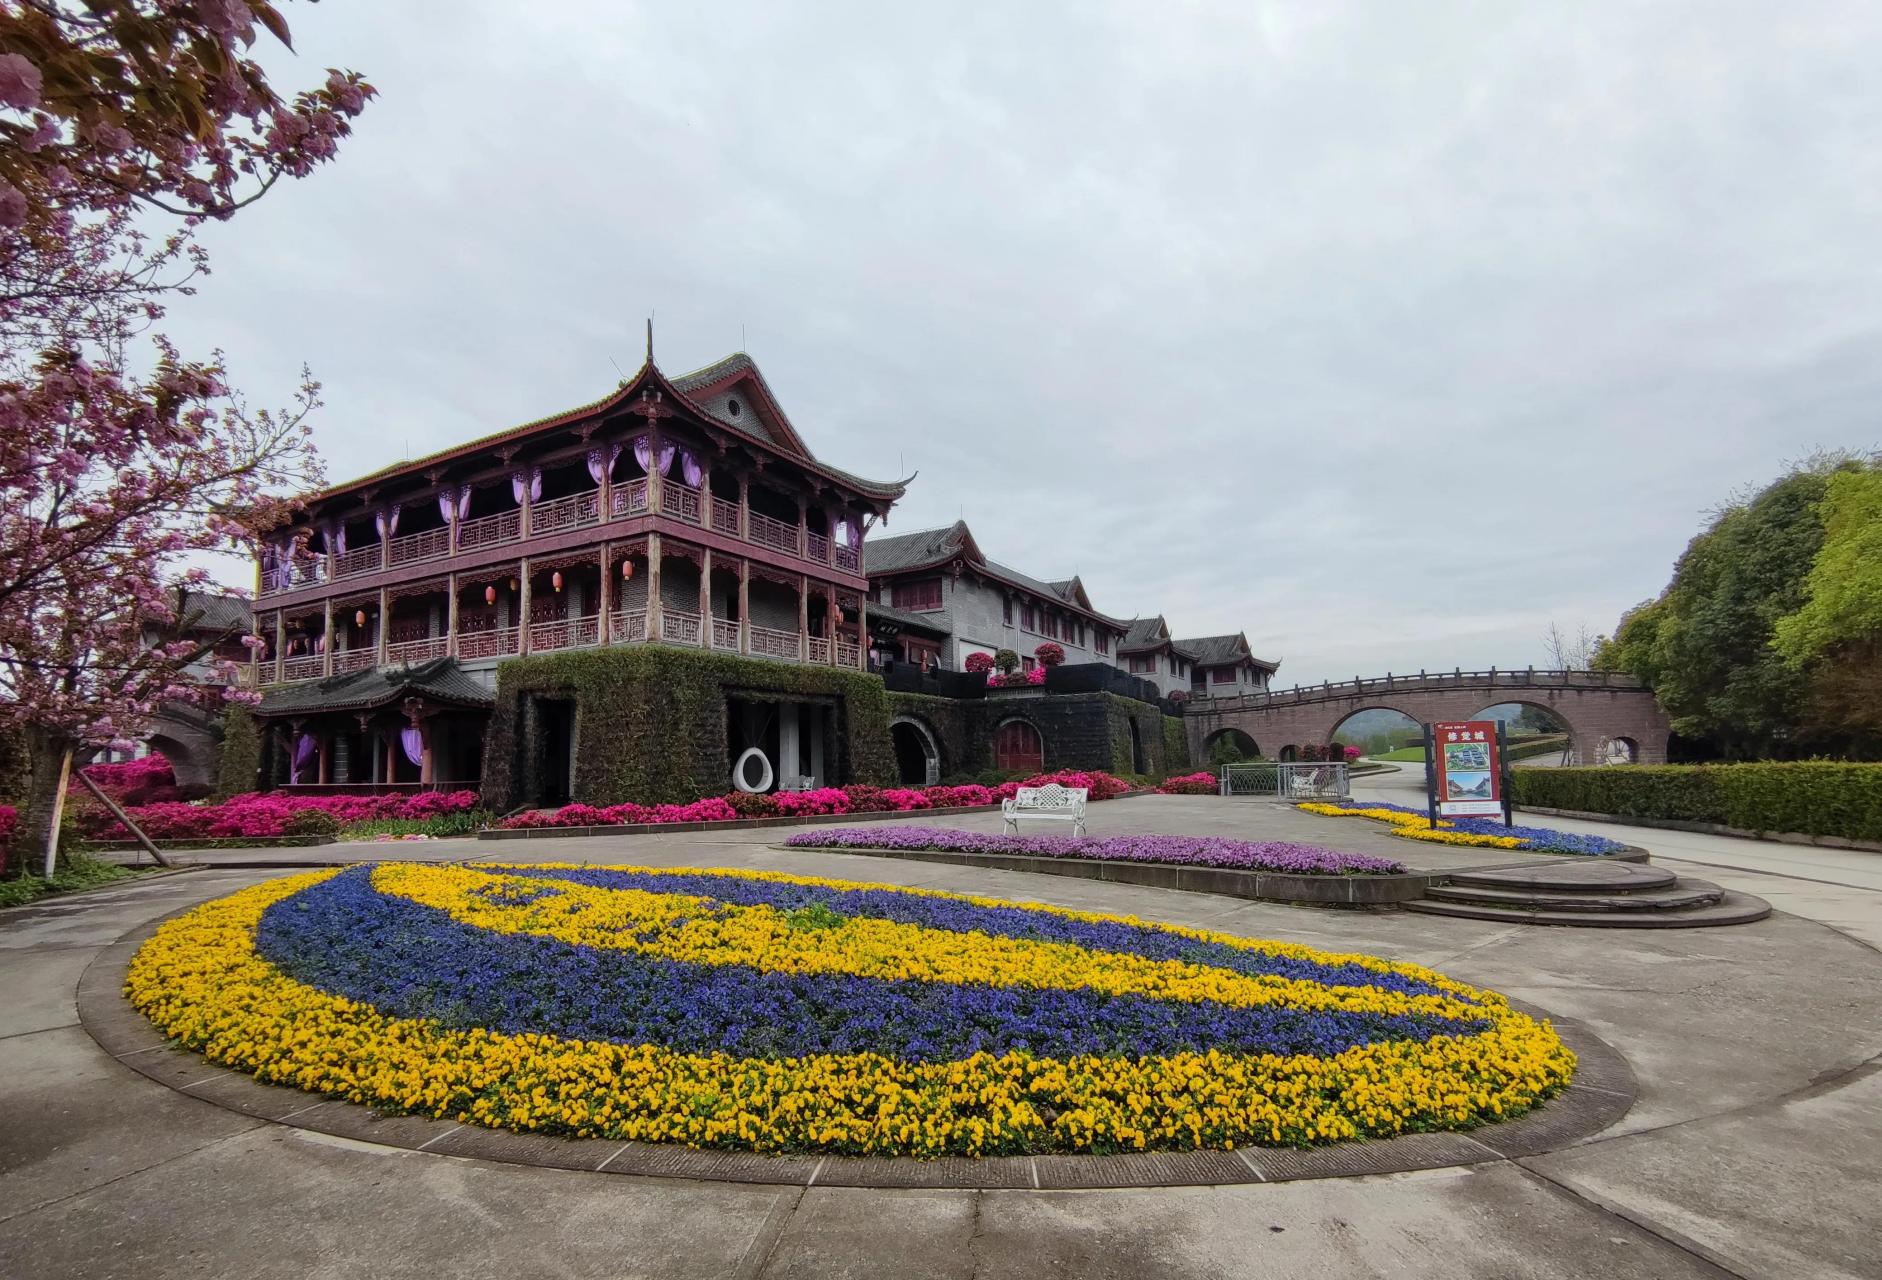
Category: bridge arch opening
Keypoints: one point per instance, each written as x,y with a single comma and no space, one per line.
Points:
1230,746
1377,731
1535,732
918,760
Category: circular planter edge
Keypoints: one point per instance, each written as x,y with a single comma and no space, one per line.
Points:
1602,1092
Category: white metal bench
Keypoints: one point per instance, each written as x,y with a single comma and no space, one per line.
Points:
796,782
1050,802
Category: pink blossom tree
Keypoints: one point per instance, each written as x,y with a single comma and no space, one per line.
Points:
120,459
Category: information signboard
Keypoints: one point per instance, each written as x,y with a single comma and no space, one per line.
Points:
1464,769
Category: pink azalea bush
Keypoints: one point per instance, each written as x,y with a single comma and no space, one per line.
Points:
133,782
264,815
1050,654
823,802
1015,679
1191,784
977,662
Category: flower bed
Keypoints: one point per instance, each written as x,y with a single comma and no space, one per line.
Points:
770,1012
1414,824
268,814
1202,783
823,802
1188,851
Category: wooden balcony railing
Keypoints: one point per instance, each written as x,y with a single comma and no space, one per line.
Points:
572,512
366,559
415,548
423,649
725,517
627,625
847,654
565,633
490,531
356,660
817,547
769,643
308,668
725,634
680,502
677,627
495,642
775,534
628,499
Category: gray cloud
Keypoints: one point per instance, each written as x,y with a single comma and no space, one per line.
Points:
1385,333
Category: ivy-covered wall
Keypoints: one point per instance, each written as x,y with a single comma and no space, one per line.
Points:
965,750
651,722
1078,730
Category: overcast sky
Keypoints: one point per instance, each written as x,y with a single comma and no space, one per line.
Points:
1384,333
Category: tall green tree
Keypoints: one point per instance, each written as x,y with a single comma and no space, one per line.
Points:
1706,645
1836,636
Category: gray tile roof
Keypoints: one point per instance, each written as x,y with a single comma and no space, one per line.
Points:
1143,633
213,611
1215,651
898,552
935,622
440,679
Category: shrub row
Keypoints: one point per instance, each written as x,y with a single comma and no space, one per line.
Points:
1810,797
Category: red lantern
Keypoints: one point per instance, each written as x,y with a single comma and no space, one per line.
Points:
555,579
359,617
490,595
627,570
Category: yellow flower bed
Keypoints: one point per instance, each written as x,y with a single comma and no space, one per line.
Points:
1414,826
202,982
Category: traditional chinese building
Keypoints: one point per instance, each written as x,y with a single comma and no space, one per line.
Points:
686,511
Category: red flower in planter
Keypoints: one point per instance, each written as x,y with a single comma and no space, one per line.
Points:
977,662
1050,654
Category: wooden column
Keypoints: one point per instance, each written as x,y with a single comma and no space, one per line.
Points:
705,598
829,619
326,634
655,479
653,584
385,541
604,495
524,504
705,496
450,614
862,632
803,528
604,600
522,606
323,744
280,643
392,755
803,602
744,507
385,624
744,588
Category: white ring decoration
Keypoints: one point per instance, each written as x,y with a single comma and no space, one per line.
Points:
738,771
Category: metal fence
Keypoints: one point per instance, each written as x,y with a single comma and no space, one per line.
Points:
1288,780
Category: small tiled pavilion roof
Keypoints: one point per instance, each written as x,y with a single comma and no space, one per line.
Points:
1219,651
924,548
440,680
930,622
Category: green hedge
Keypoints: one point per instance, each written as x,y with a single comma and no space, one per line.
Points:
1812,797
1175,746
651,721
238,759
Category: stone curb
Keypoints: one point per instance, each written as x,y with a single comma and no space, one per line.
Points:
1264,886
1603,1091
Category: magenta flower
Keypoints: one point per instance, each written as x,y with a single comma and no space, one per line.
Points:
19,82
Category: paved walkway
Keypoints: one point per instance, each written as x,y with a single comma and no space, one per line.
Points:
1752,1150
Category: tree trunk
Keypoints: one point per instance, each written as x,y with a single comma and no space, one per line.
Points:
35,842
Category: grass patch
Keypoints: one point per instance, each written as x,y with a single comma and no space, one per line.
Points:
76,872
467,823
1403,753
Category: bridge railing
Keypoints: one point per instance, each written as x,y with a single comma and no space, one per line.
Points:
1330,690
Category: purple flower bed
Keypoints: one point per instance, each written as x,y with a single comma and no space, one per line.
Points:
1184,851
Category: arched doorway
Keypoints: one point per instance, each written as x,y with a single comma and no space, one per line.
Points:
917,756
1535,733
1230,746
1137,748
1289,753
1017,748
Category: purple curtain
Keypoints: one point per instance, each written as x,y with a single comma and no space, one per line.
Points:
689,469
333,537
666,459
596,468
853,532
643,453
320,643
614,455
387,522
463,501
413,741
447,504
516,487
304,747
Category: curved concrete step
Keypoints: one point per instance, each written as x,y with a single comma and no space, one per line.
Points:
1732,908
1678,897
1589,875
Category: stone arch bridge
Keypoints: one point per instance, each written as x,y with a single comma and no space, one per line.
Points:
1598,707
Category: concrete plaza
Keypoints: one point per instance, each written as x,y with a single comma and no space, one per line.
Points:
1752,1149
